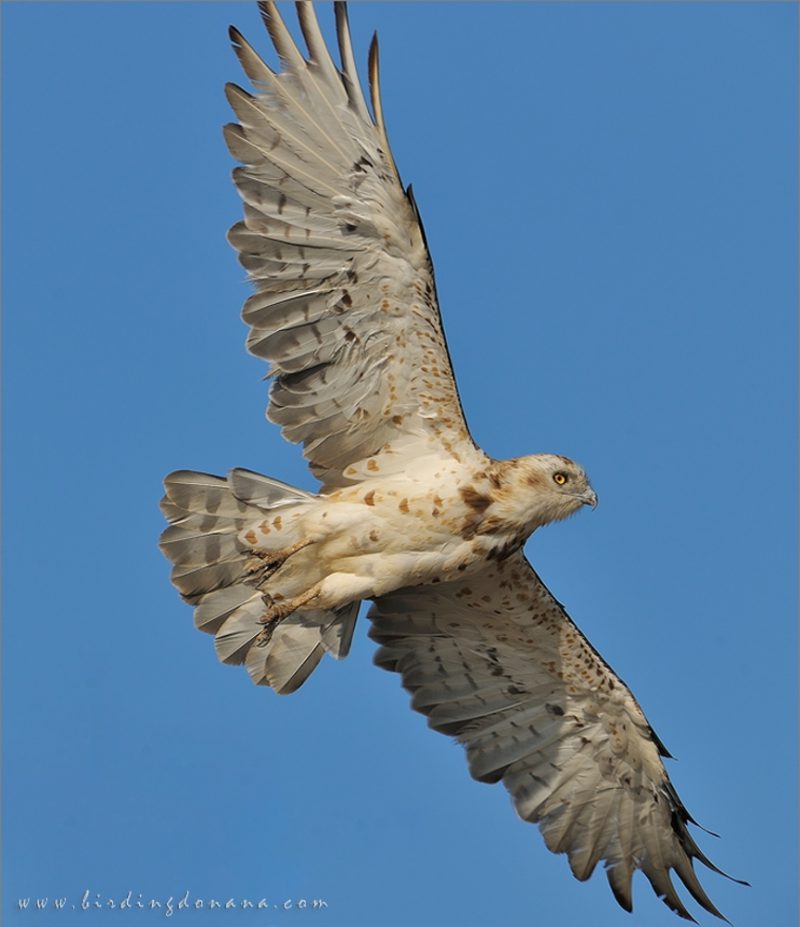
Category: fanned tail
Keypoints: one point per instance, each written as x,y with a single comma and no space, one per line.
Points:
226,578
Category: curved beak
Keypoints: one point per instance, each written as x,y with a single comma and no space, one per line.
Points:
589,498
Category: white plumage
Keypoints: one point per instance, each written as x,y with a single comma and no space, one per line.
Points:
411,513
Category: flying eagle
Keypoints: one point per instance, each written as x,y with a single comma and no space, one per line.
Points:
411,513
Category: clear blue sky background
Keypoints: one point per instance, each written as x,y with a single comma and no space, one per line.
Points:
610,194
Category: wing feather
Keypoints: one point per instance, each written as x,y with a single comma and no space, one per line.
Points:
495,661
349,69
346,301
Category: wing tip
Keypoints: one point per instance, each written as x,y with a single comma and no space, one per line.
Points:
373,71
624,901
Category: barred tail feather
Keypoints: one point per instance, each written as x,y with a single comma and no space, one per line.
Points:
227,582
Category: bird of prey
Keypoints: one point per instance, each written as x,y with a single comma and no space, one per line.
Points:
411,513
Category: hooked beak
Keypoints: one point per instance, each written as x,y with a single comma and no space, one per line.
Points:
589,498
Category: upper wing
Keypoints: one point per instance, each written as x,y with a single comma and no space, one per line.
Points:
345,308
495,661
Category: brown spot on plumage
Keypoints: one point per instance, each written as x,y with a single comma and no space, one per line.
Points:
277,522
374,536
403,506
251,537
372,464
448,446
369,498
477,501
264,527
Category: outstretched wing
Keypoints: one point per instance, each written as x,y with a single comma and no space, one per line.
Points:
345,308
495,661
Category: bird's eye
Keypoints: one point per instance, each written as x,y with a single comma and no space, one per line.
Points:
560,477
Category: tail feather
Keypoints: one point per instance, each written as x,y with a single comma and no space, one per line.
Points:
217,606
296,647
241,628
193,581
263,491
203,494
192,546
337,636
298,644
216,570
291,661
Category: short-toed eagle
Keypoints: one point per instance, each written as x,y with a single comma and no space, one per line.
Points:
411,513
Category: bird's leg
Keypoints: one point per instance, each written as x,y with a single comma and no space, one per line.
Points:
279,607
278,556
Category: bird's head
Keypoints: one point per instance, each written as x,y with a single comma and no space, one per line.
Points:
553,487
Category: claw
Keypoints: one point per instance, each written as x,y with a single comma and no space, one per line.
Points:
278,608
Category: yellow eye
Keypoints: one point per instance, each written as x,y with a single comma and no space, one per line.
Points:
560,478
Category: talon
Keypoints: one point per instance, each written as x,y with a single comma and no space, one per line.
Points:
276,611
264,637
278,608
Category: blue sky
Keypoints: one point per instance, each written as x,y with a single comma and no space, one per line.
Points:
609,193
